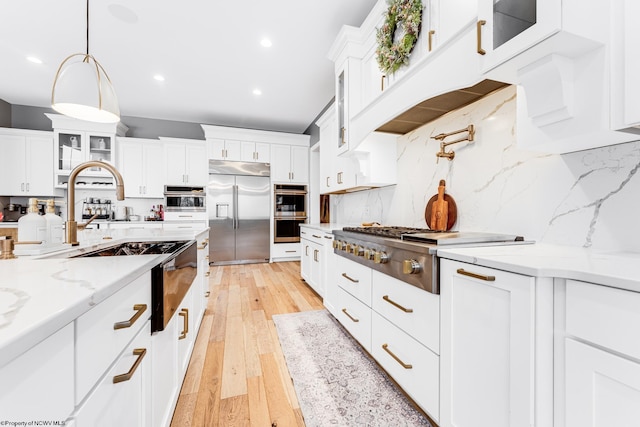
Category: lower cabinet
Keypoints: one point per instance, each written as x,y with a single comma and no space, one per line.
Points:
312,264
496,348
38,385
123,396
601,361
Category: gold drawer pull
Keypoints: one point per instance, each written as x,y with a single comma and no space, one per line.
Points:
207,274
395,304
185,318
204,245
385,347
316,236
140,352
344,310
476,275
140,308
346,276
479,25
206,294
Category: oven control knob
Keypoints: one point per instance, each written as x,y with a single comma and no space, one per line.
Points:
411,266
380,257
358,250
349,248
335,244
368,254
343,246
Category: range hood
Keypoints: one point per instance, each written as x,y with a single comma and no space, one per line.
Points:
439,105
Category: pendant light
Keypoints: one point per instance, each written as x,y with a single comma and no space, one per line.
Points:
82,89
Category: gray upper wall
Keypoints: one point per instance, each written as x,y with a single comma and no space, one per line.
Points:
28,117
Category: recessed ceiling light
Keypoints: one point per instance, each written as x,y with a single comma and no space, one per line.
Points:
257,92
265,42
34,60
159,78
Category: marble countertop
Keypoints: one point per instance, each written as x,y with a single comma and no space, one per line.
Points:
326,227
615,269
39,295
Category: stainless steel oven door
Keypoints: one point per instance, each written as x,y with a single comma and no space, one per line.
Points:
287,230
170,282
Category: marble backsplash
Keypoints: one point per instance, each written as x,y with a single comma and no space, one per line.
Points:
588,199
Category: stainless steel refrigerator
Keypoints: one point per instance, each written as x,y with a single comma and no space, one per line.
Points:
238,204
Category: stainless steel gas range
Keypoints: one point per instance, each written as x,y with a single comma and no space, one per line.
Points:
408,254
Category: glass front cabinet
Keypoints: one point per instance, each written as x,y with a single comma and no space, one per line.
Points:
77,141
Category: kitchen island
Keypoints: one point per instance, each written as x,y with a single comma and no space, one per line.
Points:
49,306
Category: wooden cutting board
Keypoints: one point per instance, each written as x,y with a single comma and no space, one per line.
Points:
441,212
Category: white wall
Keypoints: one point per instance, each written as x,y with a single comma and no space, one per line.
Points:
589,198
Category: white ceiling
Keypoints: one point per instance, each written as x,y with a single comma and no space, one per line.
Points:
208,51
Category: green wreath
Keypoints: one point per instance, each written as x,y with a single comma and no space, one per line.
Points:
405,15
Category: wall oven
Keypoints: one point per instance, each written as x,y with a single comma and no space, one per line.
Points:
290,210
184,199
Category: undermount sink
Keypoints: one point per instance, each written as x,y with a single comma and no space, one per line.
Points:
136,248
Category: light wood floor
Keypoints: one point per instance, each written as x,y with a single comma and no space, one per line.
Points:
237,375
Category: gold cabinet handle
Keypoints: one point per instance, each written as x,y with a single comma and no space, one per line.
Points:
306,250
207,274
140,308
206,294
316,236
140,352
476,275
343,131
353,319
204,245
346,276
328,185
185,319
315,255
385,347
382,82
431,33
395,304
479,25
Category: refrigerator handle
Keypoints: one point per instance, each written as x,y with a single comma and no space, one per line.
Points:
235,206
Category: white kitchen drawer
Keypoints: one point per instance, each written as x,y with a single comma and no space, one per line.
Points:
311,234
285,250
605,316
126,402
355,279
38,385
415,311
186,225
355,317
413,366
98,343
185,216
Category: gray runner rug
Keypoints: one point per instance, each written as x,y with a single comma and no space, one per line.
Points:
337,383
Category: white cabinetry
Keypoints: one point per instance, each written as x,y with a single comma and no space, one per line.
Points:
312,261
496,343
405,338
289,163
140,163
354,299
255,152
601,357
625,65
171,350
38,385
185,162
123,396
27,167
78,141
220,149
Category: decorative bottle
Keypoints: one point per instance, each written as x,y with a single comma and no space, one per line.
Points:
55,232
32,227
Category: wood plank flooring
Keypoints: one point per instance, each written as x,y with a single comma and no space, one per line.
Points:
237,375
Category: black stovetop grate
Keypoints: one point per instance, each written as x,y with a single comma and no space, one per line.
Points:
394,232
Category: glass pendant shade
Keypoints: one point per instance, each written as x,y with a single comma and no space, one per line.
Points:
83,90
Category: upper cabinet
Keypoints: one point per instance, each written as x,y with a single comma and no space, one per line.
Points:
27,166
287,153
220,149
290,163
78,141
141,163
185,162
625,66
